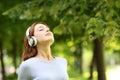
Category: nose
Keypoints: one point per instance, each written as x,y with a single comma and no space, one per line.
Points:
47,29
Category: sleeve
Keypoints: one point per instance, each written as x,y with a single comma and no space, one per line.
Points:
23,72
66,65
65,61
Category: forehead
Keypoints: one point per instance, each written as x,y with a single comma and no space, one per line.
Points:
37,26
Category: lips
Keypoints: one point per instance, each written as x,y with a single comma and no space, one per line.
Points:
48,33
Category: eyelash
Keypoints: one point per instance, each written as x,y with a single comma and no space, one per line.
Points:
40,29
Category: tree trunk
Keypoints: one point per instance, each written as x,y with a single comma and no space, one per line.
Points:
78,58
14,50
98,50
81,60
2,62
92,65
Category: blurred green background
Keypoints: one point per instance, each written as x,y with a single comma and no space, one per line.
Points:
87,34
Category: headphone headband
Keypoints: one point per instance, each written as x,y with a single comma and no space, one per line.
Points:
28,33
32,41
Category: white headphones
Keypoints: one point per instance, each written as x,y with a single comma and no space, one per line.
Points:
32,41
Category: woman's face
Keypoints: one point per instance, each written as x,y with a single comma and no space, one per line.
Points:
43,34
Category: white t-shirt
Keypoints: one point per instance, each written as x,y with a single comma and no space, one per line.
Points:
36,69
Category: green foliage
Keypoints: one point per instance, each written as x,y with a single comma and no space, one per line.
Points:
11,77
73,18
74,22
96,27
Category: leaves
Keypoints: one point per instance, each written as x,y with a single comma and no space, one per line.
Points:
86,19
96,27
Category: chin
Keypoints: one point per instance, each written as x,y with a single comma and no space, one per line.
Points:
51,41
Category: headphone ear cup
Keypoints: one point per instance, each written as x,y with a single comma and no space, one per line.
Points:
32,41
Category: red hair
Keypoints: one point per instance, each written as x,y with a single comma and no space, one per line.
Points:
29,51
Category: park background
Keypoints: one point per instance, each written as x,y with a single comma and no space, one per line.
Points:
87,34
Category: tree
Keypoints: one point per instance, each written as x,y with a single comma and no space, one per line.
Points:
90,20
5,36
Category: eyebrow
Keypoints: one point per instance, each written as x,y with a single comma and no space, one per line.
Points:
40,26
43,27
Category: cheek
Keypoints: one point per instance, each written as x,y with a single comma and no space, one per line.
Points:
39,36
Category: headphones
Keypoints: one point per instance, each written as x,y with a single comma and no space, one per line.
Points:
32,41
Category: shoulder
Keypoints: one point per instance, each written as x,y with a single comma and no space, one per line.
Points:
61,59
62,62
26,66
24,70
26,63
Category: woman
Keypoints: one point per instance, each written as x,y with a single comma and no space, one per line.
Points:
37,60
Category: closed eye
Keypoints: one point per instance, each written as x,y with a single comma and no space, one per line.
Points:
41,30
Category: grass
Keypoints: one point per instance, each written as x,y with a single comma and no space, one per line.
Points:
112,73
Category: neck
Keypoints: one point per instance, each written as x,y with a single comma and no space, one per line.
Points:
44,52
